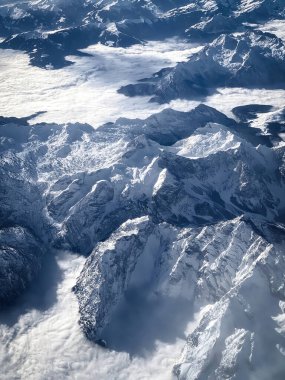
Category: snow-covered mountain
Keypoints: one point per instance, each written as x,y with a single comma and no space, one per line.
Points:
51,30
177,218
179,205
230,265
252,60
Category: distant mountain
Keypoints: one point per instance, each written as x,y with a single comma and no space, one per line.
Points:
251,60
51,30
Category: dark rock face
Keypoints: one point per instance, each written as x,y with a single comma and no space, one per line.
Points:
118,261
169,126
23,238
20,258
183,189
249,112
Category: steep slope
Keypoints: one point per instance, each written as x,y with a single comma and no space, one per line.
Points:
55,186
20,258
178,206
218,263
230,265
174,186
179,216
251,60
240,334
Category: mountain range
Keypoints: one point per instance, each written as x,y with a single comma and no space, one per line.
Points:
184,210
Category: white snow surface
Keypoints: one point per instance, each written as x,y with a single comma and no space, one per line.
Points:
214,138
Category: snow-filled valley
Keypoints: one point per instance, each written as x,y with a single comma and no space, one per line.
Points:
142,182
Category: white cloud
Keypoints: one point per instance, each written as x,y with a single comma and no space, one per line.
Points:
87,90
276,27
49,344
225,99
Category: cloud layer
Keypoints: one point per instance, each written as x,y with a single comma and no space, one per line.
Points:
47,343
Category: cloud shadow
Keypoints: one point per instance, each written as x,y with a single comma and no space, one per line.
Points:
40,295
142,318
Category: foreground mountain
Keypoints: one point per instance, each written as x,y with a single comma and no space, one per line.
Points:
230,265
184,207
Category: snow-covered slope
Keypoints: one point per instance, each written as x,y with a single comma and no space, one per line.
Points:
51,30
73,186
178,207
189,239
251,60
240,334
230,265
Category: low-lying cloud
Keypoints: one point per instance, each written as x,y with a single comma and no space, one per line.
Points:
41,338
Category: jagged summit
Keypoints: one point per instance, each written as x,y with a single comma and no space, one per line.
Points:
251,60
180,168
